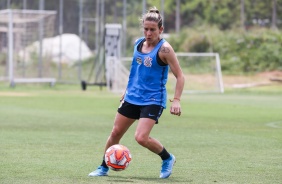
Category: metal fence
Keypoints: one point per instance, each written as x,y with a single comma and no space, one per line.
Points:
87,22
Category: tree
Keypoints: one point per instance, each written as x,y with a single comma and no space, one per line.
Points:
243,14
274,14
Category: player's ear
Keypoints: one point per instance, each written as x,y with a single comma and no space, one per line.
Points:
161,29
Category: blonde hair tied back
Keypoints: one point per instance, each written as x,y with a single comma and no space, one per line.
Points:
153,14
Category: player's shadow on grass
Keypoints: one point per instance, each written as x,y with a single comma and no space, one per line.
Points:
123,179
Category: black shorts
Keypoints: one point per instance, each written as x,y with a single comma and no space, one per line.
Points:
140,111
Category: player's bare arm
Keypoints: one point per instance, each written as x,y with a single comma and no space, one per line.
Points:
164,49
168,56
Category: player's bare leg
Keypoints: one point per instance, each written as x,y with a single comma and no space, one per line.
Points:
121,125
142,133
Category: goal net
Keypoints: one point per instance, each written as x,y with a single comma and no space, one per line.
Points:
202,72
117,75
22,57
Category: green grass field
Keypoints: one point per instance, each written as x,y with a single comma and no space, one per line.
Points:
57,135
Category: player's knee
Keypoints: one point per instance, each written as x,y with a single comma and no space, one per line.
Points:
141,140
115,134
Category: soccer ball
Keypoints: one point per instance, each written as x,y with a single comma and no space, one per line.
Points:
117,157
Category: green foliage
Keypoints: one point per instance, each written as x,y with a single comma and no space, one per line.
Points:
256,50
191,40
224,14
253,51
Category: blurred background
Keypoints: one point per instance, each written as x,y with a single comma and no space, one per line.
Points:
66,38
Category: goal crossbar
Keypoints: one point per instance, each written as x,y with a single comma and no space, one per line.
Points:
4,15
23,27
208,81
52,81
217,68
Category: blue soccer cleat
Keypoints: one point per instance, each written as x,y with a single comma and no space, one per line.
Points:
100,171
167,166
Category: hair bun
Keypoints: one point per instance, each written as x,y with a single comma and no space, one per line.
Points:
154,10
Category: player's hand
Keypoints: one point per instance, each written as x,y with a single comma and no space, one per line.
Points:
121,98
175,108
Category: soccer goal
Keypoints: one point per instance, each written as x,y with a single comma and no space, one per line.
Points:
202,72
21,49
116,74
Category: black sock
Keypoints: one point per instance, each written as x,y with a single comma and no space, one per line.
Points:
104,163
164,154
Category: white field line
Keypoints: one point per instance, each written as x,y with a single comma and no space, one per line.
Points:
276,124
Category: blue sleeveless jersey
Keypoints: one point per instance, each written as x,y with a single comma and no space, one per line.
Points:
147,79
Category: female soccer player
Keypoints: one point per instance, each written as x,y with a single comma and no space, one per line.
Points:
145,96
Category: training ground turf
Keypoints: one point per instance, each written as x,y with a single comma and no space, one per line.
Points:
57,135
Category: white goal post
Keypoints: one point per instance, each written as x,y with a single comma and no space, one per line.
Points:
116,74
202,72
19,29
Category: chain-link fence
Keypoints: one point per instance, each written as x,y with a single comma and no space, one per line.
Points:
72,51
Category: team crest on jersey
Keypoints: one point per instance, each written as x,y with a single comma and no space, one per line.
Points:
148,61
139,60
